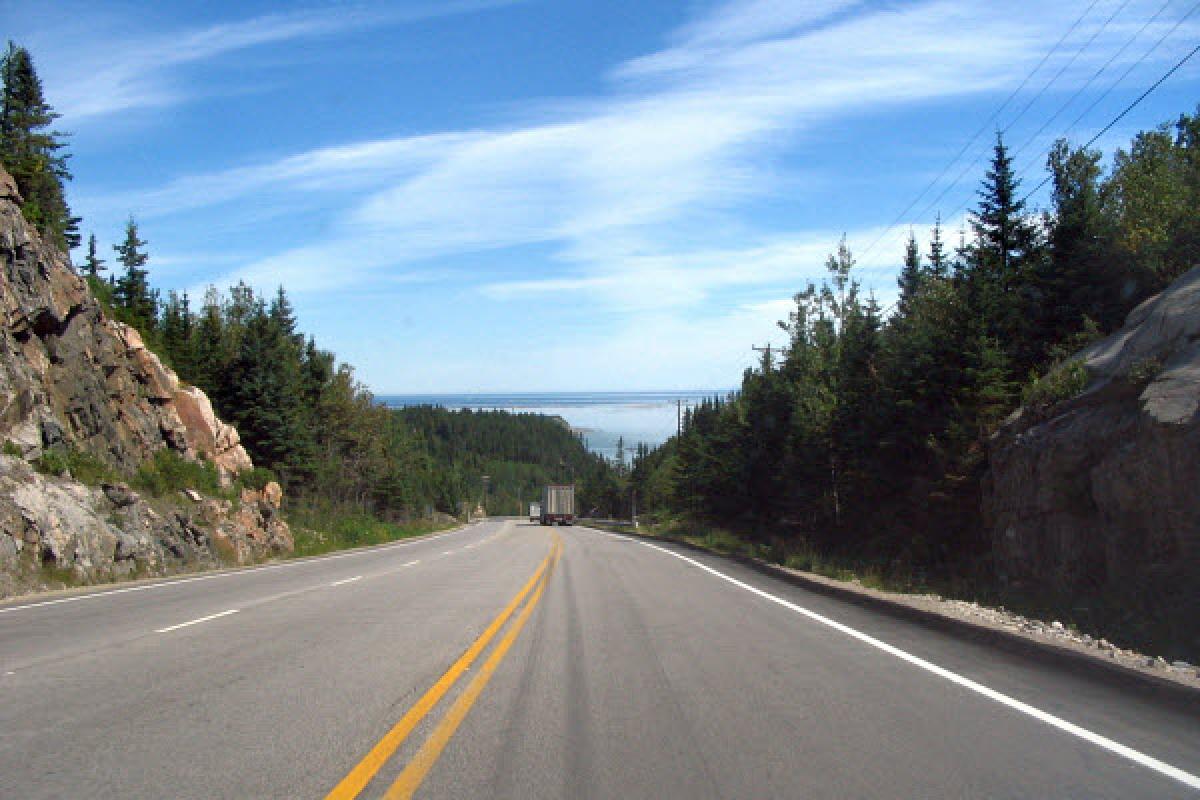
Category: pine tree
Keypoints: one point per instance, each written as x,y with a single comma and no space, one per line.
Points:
1001,263
911,276
176,334
93,265
939,264
132,293
31,152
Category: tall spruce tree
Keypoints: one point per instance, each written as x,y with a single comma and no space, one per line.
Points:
911,276
1001,262
132,293
939,262
32,152
93,265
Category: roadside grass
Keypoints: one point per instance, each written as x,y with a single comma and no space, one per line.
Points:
894,576
320,531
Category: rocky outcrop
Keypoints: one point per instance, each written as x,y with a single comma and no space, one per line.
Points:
58,531
1098,498
71,377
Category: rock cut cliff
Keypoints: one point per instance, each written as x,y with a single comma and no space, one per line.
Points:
71,377
1097,499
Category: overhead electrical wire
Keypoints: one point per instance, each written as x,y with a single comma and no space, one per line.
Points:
983,154
1063,107
1104,68
1065,67
1149,51
1127,109
995,114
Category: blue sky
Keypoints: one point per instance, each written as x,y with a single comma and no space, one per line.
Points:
482,195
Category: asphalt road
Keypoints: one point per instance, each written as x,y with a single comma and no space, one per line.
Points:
511,660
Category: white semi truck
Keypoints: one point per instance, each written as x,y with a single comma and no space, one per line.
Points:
535,512
558,504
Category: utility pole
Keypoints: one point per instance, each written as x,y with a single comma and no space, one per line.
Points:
783,351
678,417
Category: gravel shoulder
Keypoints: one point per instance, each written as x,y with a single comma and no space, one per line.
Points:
1052,636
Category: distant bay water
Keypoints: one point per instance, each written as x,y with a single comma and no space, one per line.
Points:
600,417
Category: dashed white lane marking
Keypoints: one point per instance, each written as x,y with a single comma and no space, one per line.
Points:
215,576
347,580
1135,756
197,621
447,552
411,563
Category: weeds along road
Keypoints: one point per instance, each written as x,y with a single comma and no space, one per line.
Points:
512,660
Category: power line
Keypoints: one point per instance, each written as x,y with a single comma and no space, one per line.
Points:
1078,91
983,154
1065,66
1120,116
978,133
1135,65
1128,108
1031,164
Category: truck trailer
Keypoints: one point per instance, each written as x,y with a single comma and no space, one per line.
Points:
558,504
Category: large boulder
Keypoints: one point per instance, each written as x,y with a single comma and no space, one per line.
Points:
1097,498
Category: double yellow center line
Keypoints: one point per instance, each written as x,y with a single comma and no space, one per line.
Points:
416,770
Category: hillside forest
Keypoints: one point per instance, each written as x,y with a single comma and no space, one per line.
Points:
863,440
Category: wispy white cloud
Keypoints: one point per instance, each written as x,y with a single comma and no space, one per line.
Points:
632,191
94,77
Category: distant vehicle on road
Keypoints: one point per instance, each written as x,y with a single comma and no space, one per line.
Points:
535,512
558,504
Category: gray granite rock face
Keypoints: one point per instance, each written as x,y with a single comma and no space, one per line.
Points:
1099,496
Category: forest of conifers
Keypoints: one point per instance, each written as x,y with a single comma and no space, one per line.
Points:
866,438
300,413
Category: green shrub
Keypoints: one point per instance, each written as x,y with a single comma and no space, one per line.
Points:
51,462
323,530
86,468
1062,382
167,471
1144,370
256,478
11,448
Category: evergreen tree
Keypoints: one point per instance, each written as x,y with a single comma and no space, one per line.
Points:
132,292
265,394
93,265
911,275
1001,262
939,264
209,367
32,152
1080,280
176,333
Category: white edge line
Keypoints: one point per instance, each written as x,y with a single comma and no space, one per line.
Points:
181,581
1135,756
347,580
197,621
